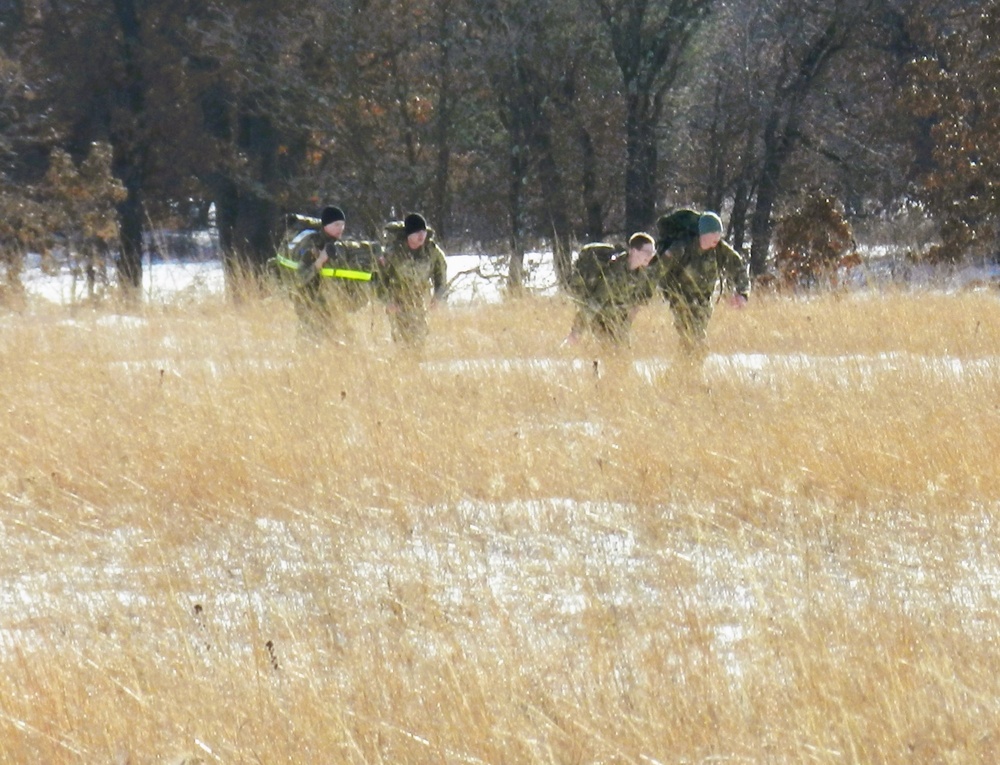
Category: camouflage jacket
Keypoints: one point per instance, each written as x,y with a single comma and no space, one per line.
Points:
341,253
687,272
405,275
602,279
351,254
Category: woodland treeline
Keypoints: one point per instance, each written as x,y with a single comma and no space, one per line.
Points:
506,122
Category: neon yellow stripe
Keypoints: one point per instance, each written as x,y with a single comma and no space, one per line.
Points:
343,273
329,273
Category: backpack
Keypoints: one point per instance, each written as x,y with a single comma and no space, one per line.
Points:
394,231
295,244
676,226
354,260
295,222
299,230
589,267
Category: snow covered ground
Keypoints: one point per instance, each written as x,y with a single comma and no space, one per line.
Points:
542,576
729,578
480,278
473,278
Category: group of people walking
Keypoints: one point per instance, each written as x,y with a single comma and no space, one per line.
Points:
407,272
685,263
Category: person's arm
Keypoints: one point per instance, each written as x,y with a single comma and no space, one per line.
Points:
736,270
664,265
312,259
439,272
331,252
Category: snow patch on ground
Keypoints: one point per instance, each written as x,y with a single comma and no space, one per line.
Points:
473,279
479,278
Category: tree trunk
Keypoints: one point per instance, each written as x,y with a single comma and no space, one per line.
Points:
743,192
127,141
442,202
442,199
130,228
593,210
715,182
246,216
515,189
782,130
738,217
777,147
760,226
227,214
253,234
555,204
640,166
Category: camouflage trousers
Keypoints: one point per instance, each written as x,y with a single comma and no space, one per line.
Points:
691,317
408,323
609,324
322,308
311,310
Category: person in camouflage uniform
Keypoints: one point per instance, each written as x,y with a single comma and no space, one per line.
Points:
308,297
319,300
609,288
689,267
351,256
411,267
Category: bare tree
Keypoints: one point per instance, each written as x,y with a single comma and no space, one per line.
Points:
798,92
650,42
527,64
97,65
953,89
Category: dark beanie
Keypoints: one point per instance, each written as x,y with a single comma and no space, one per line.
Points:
413,223
709,223
331,215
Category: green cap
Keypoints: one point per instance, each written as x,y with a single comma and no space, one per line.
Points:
709,223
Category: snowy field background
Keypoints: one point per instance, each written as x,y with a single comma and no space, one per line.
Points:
475,278
480,278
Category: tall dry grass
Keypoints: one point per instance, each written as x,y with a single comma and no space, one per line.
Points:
223,544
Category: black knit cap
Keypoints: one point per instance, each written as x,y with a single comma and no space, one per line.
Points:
331,215
413,223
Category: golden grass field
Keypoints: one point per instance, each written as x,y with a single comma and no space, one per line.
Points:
223,544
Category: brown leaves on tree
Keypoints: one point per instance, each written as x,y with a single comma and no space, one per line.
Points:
957,90
814,243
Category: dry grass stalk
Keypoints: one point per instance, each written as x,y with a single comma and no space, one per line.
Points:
223,545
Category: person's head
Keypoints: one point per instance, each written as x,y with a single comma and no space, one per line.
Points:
709,230
333,221
641,249
415,228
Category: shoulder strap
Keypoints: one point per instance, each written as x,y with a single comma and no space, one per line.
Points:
291,253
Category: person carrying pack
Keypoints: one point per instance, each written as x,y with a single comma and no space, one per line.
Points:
326,274
680,225
609,285
411,268
692,260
